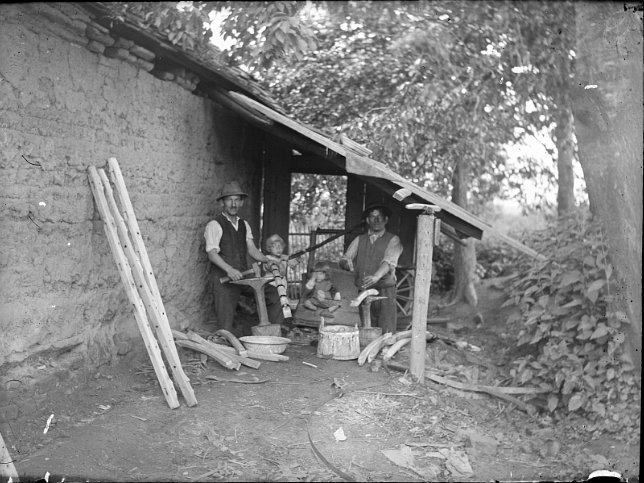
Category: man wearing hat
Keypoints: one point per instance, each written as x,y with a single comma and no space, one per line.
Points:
374,255
229,240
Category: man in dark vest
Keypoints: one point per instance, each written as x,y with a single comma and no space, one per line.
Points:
229,240
374,256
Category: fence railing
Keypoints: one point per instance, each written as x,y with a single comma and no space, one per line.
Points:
331,252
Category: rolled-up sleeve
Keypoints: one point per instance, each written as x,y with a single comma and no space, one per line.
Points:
352,251
213,236
392,252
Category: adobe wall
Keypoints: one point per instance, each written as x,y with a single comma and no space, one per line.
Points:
62,108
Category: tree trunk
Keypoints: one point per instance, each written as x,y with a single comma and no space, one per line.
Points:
565,155
464,260
607,107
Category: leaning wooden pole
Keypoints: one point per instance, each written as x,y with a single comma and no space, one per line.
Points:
424,250
152,304
7,469
125,272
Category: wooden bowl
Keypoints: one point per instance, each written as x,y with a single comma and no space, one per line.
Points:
265,344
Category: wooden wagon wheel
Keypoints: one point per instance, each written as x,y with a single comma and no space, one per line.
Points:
405,290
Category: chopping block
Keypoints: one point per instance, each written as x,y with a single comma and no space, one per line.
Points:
257,284
366,332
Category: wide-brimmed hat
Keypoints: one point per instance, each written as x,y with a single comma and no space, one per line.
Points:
376,206
231,188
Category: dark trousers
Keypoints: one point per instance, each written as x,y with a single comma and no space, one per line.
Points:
227,297
384,312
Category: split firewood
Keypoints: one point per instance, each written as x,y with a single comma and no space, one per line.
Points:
231,352
358,300
215,354
254,354
377,347
234,341
391,351
362,358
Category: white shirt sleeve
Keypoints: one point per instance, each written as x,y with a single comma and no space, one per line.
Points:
249,232
213,236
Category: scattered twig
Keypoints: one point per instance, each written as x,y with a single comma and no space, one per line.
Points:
390,394
33,164
138,417
221,379
309,364
32,220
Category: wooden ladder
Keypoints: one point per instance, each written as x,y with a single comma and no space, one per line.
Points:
133,264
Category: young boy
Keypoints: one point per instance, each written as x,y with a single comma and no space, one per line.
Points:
319,291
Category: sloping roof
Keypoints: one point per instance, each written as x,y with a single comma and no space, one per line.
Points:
238,91
363,166
207,67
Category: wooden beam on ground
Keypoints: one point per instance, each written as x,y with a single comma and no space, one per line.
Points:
7,469
130,288
152,300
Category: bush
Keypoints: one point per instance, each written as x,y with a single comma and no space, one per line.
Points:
567,308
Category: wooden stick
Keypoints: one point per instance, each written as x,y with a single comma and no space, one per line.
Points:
215,354
246,361
234,341
491,390
233,353
362,358
373,353
124,270
7,469
391,351
152,302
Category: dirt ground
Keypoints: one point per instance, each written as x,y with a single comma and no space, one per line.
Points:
284,423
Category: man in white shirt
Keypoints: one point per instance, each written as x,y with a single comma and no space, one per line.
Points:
229,241
374,255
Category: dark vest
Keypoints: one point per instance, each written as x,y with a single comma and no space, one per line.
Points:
369,259
232,247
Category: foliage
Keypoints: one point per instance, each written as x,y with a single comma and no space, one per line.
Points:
566,308
265,31
318,201
187,27
451,82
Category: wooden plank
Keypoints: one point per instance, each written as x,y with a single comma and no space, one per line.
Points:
7,468
152,301
130,288
422,282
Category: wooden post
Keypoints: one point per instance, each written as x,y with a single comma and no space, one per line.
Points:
152,303
7,469
425,248
130,288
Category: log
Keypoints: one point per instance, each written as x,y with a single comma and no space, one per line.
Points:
362,358
373,353
125,273
253,354
233,354
234,341
215,354
391,351
422,282
152,301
